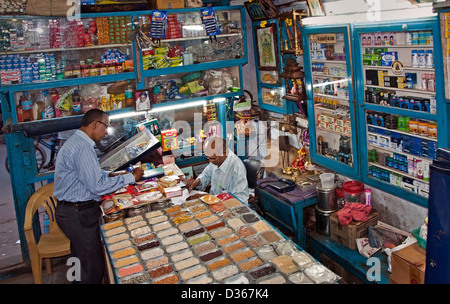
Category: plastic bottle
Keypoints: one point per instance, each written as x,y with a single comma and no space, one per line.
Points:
48,112
419,165
54,94
368,197
414,59
76,103
27,107
429,59
430,83
421,58
424,82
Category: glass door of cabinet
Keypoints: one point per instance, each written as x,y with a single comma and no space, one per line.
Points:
328,68
399,113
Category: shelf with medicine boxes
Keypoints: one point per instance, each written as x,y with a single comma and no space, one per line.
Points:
398,108
330,97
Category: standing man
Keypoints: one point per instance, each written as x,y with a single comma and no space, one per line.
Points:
225,171
79,184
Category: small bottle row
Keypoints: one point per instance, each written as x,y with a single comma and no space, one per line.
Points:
403,123
404,182
409,164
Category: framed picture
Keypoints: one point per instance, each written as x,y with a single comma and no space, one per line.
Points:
142,100
270,77
315,8
267,47
255,10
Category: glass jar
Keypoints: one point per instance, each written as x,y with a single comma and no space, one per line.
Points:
432,130
423,128
413,126
340,198
353,192
114,216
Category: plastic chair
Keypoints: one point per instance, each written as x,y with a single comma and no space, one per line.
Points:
50,245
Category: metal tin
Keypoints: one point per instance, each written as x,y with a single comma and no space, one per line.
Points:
326,198
323,221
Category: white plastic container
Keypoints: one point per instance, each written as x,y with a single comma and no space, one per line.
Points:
327,180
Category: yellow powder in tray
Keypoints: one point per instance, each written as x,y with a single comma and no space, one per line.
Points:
123,253
126,261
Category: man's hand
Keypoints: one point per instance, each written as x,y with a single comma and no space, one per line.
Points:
138,173
191,184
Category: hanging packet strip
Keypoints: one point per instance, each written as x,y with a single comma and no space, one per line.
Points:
158,24
210,21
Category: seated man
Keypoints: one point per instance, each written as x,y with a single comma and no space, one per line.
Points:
225,171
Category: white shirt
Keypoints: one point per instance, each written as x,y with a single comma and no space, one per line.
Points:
230,177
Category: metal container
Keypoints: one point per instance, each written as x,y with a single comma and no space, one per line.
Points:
326,198
323,221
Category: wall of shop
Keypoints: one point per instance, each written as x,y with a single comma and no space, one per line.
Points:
394,210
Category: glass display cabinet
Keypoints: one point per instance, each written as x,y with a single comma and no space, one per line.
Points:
190,61
398,105
330,98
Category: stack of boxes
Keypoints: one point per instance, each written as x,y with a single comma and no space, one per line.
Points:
338,124
119,28
173,27
102,30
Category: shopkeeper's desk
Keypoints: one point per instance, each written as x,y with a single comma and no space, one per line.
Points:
349,259
286,214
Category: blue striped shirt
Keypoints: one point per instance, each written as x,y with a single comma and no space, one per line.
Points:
230,177
78,176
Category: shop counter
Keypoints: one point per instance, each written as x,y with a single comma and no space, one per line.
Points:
351,260
206,241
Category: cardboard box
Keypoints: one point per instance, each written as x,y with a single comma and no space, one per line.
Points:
169,140
171,191
347,235
169,4
408,265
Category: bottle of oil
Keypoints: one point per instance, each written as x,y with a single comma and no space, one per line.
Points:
27,107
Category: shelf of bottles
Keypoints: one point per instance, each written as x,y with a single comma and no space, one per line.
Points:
400,107
331,97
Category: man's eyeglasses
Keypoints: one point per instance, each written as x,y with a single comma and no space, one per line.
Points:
106,126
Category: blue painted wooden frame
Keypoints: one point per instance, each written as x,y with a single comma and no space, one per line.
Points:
398,26
344,169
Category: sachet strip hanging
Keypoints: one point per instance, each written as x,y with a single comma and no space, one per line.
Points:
158,25
211,22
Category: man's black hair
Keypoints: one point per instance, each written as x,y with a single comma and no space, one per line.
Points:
91,116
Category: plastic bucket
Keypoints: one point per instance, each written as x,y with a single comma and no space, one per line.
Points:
327,180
